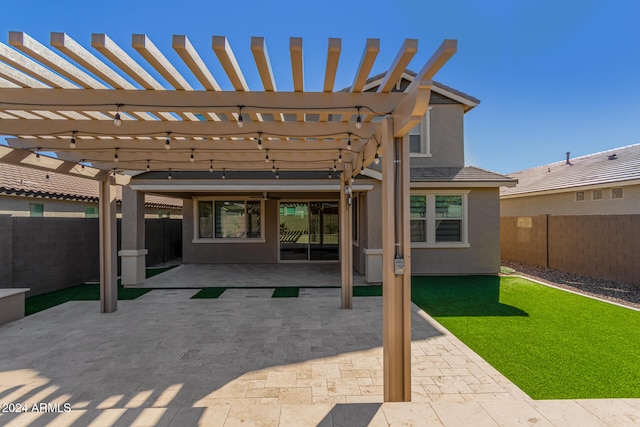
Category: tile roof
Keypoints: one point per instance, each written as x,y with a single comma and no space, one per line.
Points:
435,83
592,169
456,174
23,181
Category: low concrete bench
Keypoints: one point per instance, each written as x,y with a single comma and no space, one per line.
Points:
12,304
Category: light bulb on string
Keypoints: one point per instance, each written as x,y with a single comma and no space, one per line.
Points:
192,158
224,175
349,142
72,143
210,165
240,122
260,147
115,157
148,166
170,175
358,119
340,157
376,159
266,157
167,144
117,120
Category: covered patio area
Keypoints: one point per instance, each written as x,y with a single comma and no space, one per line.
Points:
251,276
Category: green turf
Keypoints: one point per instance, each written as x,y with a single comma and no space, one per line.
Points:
288,292
550,343
207,293
367,291
87,292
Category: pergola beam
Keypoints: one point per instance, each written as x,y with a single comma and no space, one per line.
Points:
199,101
369,55
32,68
190,56
19,78
412,108
182,128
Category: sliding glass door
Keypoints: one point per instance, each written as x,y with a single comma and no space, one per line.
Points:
309,231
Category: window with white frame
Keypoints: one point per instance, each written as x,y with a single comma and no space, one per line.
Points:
438,219
419,137
229,219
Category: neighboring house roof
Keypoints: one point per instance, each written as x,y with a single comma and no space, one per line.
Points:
28,182
468,100
616,166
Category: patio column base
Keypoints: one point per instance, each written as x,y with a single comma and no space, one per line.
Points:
133,266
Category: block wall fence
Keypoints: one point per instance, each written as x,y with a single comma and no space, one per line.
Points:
47,254
601,246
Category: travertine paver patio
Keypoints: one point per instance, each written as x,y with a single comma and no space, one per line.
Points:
248,359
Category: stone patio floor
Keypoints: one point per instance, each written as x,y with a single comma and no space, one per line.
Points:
249,359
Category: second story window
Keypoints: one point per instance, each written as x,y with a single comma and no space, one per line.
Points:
420,137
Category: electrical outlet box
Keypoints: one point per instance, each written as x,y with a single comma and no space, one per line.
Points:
398,266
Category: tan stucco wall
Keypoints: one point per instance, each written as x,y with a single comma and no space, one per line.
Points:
566,204
481,257
483,254
447,137
242,253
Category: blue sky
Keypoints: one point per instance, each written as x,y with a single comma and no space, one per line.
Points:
553,75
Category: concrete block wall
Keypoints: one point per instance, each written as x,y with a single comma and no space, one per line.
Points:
601,246
524,239
47,254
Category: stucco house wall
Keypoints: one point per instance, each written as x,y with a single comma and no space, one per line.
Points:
566,203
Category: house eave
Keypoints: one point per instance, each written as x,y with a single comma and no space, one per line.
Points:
571,189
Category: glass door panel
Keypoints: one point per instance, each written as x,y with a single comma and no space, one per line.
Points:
294,231
323,231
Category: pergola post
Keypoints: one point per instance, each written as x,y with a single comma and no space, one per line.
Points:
346,249
108,243
396,262
133,252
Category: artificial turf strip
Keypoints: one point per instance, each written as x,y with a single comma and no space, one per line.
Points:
550,343
208,293
87,292
367,291
288,292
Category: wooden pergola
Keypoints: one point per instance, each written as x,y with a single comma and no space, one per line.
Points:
109,118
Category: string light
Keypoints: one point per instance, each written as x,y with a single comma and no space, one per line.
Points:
38,154
376,159
148,166
277,174
266,157
224,176
330,173
192,158
349,142
240,122
167,144
334,166
340,157
81,163
260,147
115,157
72,143
210,165
170,176
273,168
117,120
358,119
362,170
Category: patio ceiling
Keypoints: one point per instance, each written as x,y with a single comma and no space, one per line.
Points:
49,99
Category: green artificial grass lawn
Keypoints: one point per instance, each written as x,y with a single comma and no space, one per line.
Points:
551,343
290,292
367,291
87,292
207,293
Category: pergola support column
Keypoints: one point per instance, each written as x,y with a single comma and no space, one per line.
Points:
396,266
133,251
108,244
346,248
